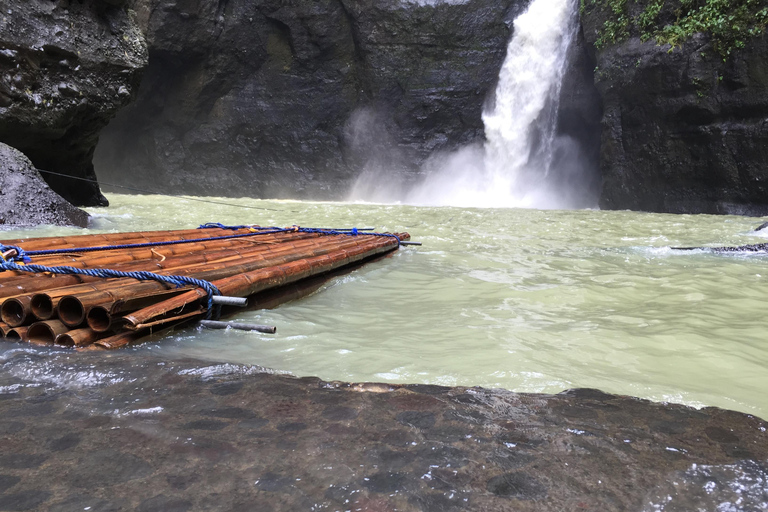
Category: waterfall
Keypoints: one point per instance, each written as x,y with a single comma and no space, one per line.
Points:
511,169
520,130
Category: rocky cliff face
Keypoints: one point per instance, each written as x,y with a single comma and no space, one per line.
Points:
683,130
270,98
27,200
66,67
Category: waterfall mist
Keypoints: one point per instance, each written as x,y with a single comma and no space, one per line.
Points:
523,163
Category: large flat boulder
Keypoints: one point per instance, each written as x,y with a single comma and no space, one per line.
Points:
129,431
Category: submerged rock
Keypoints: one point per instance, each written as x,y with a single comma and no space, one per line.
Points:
127,431
65,70
26,200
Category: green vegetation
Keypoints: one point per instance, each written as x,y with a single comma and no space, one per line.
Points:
730,23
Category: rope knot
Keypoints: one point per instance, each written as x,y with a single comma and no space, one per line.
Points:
13,253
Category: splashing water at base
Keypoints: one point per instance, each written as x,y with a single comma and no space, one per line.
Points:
510,170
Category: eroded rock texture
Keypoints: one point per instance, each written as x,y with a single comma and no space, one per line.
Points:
683,131
125,431
27,200
66,67
269,98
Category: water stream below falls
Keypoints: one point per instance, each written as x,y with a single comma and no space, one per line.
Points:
528,300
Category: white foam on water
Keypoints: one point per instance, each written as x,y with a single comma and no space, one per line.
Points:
510,170
227,369
142,412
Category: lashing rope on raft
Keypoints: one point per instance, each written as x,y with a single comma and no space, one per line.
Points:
11,256
105,273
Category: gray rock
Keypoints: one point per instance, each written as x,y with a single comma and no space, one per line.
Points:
577,450
270,98
683,130
26,200
58,63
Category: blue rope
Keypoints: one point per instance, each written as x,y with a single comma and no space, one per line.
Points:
177,281
20,254
324,231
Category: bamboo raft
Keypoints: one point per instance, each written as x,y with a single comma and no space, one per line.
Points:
175,277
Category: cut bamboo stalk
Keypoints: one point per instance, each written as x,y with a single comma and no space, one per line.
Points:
17,311
100,319
77,338
45,243
17,334
159,253
248,283
45,331
4,328
27,284
73,310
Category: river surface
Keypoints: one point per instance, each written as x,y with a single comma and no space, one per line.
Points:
522,299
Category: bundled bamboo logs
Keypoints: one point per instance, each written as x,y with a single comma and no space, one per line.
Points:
85,311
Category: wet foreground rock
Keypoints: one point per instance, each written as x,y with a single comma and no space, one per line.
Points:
125,432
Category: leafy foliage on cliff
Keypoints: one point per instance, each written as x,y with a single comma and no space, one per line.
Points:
730,23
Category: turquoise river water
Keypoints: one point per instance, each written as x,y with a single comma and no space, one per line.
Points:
527,300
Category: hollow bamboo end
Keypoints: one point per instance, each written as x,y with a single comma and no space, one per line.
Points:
17,334
71,311
42,306
41,334
64,340
99,319
13,312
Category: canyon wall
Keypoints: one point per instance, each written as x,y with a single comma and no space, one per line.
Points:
288,99
66,67
684,127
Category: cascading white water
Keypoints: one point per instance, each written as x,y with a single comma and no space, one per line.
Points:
510,169
527,98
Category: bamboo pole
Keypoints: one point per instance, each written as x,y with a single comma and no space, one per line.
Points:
16,311
75,307
248,283
77,338
124,255
44,243
45,331
30,283
4,328
101,318
18,334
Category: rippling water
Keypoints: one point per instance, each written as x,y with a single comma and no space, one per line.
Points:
528,300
